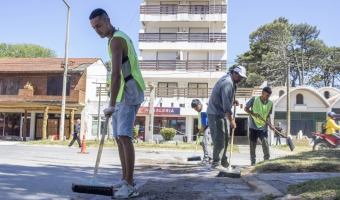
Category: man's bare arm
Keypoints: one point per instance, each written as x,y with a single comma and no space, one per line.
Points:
117,56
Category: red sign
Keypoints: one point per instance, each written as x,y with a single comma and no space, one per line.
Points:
160,111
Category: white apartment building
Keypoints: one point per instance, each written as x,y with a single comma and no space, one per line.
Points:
183,52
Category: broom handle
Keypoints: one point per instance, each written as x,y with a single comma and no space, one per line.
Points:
275,130
232,137
100,150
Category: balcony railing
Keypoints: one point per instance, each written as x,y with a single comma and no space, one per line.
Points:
188,65
200,92
76,96
183,37
171,9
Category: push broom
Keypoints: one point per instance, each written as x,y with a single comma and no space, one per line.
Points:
94,187
230,172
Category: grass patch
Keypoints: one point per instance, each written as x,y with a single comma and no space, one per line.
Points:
297,149
306,161
327,188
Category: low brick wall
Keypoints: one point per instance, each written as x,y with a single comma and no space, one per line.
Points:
301,142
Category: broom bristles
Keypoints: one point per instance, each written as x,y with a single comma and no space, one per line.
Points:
92,189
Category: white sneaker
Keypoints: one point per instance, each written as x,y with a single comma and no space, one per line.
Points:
118,184
203,163
219,168
126,191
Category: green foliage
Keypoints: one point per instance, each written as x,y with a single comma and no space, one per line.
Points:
25,51
279,44
168,133
135,132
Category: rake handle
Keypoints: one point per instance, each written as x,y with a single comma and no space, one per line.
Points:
275,130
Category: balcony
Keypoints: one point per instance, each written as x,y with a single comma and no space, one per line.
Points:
187,9
183,37
183,92
27,97
187,65
246,93
175,13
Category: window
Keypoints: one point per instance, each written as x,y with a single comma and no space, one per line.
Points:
95,125
299,99
198,90
326,94
281,93
166,89
55,86
199,7
177,123
169,9
9,85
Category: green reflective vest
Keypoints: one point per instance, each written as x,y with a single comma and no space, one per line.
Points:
134,64
261,109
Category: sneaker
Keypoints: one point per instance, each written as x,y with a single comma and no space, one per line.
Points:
203,163
126,191
120,183
219,168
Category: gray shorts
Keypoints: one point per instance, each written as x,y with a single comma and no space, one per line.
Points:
123,119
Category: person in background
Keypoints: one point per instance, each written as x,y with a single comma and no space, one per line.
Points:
126,95
76,134
203,129
259,108
278,137
219,111
331,126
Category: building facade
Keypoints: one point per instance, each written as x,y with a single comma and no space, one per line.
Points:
31,95
182,54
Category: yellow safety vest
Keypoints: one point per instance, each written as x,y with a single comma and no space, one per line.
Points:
261,109
133,59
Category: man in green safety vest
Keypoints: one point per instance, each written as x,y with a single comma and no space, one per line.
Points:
126,95
259,108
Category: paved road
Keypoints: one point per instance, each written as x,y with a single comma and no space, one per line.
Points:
47,172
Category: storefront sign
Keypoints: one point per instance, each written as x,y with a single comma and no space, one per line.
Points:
160,111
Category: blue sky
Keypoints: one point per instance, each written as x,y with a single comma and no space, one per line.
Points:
43,22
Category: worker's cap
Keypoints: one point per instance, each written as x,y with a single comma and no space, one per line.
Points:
241,71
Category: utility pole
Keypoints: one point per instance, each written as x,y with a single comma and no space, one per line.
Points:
151,111
63,99
99,93
288,100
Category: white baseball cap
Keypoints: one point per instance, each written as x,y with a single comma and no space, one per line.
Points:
241,71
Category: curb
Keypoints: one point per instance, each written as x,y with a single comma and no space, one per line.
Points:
250,178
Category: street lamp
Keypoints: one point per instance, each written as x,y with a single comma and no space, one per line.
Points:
288,99
63,99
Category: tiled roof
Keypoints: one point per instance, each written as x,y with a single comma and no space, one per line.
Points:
14,65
